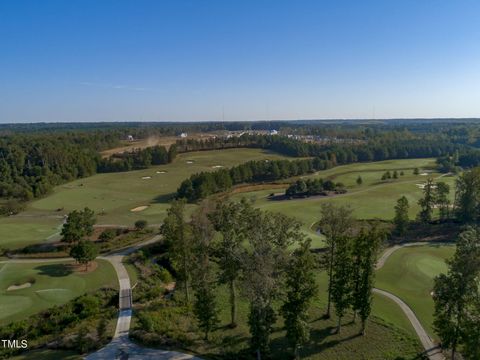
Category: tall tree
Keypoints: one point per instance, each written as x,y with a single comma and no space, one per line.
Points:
84,252
78,225
442,201
455,292
467,196
270,236
229,219
401,219
177,234
205,304
341,277
335,222
365,250
427,202
301,288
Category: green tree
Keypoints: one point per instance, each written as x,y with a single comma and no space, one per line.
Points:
401,219
229,219
427,202
359,180
84,252
205,304
395,174
102,330
107,235
335,223
467,196
177,234
269,236
442,201
416,171
455,293
78,225
341,277
365,250
301,288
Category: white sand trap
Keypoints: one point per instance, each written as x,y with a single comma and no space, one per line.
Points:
189,162
217,166
423,174
139,208
422,186
19,287
161,172
146,177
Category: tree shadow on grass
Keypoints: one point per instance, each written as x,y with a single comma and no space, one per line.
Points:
54,270
164,199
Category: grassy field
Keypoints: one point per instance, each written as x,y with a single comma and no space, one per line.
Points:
372,199
47,354
52,284
409,273
116,194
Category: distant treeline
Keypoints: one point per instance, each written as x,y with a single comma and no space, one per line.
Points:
310,187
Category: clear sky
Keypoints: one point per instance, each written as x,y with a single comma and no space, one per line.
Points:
115,60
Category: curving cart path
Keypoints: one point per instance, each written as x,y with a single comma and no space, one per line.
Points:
432,350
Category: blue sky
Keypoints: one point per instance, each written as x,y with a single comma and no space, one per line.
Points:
114,60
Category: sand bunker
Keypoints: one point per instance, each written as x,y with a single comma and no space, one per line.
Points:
217,166
161,172
423,174
146,177
19,287
139,208
422,186
189,162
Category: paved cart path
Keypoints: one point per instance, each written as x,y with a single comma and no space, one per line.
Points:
432,350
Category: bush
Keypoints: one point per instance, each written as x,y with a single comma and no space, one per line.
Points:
107,235
141,224
165,276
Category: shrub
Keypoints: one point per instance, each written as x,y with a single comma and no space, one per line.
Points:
141,224
107,235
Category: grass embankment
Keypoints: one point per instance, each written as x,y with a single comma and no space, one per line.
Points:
50,284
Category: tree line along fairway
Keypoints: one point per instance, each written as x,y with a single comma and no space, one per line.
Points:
373,199
116,194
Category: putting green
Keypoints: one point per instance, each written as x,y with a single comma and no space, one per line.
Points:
373,199
49,284
409,273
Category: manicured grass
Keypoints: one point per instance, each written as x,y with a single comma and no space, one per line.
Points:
373,199
409,273
52,284
116,194
20,231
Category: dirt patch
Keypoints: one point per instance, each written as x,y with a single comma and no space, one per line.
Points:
82,268
139,208
20,286
258,187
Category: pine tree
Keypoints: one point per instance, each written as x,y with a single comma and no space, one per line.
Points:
427,202
301,288
177,234
401,219
203,279
335,222
359,180
341,280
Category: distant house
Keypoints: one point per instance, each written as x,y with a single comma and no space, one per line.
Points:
183,135
273,132
129,137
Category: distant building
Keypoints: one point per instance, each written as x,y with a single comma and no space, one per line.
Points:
273,132
183,135
130,138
